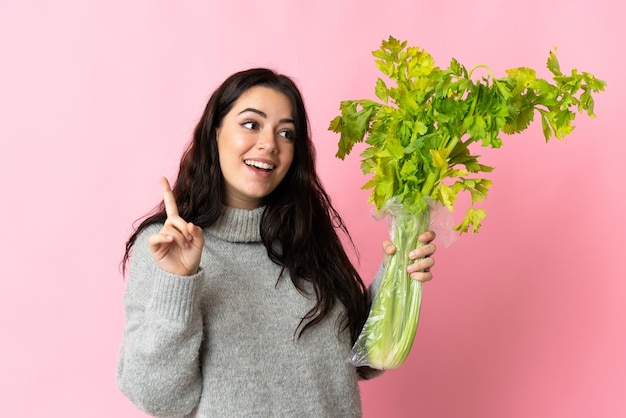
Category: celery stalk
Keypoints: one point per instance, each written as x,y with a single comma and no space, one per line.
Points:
389,331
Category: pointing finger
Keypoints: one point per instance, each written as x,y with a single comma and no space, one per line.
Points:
168,198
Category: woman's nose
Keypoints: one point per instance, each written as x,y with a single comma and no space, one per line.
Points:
267,141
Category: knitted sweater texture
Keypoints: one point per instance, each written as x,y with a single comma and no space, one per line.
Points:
222,343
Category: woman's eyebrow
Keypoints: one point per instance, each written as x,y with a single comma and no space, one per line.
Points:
253,110
264,115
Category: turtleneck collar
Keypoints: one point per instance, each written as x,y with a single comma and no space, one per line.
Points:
238,225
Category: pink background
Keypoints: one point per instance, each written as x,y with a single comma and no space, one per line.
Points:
98,99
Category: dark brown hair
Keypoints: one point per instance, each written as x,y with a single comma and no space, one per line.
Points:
298,215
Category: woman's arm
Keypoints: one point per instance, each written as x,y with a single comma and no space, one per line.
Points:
159,363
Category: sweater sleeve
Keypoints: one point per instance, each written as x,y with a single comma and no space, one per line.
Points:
159,362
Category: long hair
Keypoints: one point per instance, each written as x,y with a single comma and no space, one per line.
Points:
299,214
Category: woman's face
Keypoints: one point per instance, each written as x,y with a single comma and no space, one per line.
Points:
256,145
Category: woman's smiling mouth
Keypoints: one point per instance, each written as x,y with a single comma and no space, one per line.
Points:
259,164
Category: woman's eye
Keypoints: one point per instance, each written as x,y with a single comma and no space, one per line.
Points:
250,124
286,134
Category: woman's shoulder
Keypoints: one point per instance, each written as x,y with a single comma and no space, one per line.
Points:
150,229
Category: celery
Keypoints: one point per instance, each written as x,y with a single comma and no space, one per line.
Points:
419,136
390,328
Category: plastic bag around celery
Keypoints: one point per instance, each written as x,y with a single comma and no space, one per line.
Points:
389,331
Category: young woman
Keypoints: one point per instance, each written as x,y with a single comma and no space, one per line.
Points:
241,300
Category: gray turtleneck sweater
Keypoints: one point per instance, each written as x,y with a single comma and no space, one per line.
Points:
222,343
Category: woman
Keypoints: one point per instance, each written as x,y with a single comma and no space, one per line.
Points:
240,298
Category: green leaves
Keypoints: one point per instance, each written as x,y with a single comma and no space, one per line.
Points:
422,133
354,123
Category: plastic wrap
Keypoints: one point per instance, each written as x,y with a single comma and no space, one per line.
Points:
389,332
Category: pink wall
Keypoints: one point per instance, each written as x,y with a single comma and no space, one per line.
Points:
97,100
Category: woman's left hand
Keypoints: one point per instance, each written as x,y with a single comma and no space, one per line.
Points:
420,269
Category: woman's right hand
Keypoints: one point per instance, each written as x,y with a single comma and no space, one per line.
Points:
177,248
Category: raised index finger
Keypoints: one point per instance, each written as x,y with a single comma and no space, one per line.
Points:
168,198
